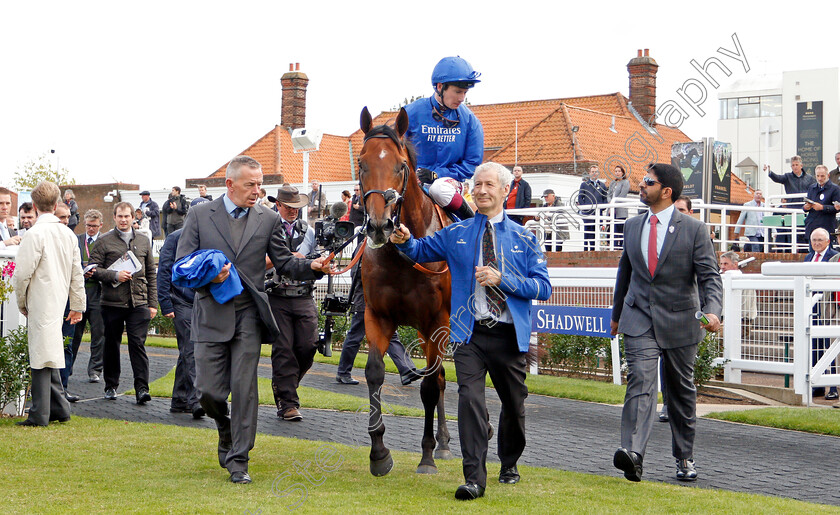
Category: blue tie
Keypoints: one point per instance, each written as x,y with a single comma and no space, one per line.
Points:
238,212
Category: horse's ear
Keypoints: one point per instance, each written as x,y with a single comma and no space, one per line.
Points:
402,122
365,120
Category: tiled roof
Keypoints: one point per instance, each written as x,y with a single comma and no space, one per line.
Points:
330,163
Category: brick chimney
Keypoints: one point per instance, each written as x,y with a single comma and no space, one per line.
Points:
642,70
294,83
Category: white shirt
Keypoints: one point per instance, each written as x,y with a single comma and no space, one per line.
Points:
482,310
663,220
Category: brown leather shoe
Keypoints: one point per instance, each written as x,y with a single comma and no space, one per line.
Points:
292,415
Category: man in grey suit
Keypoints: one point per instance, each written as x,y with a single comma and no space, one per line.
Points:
228,336
667,255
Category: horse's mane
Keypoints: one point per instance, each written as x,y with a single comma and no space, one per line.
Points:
389,132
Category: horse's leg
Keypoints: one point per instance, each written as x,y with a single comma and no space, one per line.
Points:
429,393
378,340
441,342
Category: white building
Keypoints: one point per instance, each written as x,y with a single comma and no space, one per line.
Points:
758,115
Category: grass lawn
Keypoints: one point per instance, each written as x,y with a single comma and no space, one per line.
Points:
108,466
309,398
552,386
810,420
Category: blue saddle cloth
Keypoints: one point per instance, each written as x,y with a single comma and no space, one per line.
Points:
200,268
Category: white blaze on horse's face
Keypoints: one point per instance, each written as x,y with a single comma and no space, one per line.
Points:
383,154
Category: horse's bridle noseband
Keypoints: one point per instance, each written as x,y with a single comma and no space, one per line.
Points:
390,195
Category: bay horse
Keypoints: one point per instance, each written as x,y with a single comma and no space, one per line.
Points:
395,292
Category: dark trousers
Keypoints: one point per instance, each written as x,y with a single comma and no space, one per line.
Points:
184,393
230,368
643,353
92,315
589,234
754,247
353,340
618,227
494,351
170,228
135,322
48,402
294,349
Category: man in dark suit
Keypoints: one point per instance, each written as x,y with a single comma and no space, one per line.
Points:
834,175
357,208
666,256
592,191
227,337
93,291
822,209
821,253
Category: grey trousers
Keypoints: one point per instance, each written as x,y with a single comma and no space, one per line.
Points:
48,402
230,368
642,353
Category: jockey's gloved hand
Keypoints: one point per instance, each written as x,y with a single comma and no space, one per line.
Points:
426,176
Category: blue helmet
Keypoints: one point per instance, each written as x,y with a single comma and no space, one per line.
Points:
455,69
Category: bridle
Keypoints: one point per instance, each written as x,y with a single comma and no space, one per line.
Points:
391,196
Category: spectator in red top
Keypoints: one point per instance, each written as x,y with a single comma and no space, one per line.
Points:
519,196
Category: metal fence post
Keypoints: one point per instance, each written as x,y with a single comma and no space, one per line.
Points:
801,343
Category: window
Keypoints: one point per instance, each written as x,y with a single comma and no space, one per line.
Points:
771,105
748,107
732,109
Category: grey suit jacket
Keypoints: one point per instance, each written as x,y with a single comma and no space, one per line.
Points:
668,300
207,226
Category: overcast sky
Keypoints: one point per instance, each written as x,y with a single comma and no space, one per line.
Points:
156,92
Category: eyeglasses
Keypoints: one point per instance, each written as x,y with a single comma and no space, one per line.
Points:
92,226
649,182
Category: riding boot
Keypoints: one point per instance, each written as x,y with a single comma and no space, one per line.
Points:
464,212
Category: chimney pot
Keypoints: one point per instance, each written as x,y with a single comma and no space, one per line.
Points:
292,66
297,67
646,52
640,53
642,71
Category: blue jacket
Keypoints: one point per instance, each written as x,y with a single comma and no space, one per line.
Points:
524,272
448,151
200,268
166,290
825,195
591,194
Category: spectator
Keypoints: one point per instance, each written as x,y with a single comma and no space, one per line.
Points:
26,217
345,197
683,205
559,223
8,234
47,272
202,196
62,212
128,301
357,208
824,197
821,252
750,220
749,306
141,224
150,208
317,202
834,175
93,293
592,191
263,200
619,188
175,210
70,201
519,196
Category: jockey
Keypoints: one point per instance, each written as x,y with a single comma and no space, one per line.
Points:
447,136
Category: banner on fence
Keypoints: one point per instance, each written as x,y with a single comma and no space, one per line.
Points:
571,320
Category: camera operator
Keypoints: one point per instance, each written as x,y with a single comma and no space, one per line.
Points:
293,307
174,211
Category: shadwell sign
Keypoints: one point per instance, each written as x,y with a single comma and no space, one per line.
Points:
571,320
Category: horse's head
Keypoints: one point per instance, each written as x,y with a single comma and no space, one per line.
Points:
385,165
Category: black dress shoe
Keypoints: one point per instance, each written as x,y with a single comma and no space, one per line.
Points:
29,423
179,409
686,470
832,395
111,394
412,375
198,412
61,420
509,475
143,396
70,397
239,477
630,462
346,380
469,491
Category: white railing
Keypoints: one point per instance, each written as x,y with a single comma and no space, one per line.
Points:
563,228
796,313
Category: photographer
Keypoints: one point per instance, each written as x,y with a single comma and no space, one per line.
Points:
174,211
293,307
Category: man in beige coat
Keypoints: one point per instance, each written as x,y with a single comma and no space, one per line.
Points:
47,270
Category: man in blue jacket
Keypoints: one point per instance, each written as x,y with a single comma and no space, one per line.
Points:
447,136
497,269
821,209
592,191
176,303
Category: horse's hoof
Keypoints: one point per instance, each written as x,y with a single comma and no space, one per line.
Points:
490,431
443,454
427,469
381,467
